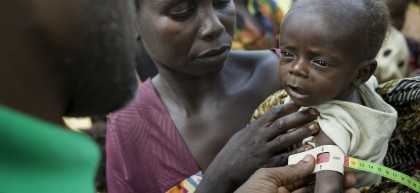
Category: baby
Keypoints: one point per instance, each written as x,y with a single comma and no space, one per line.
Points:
328,50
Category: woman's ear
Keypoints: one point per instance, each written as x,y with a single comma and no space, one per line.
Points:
366,70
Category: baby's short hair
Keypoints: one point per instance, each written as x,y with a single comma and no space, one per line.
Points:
372,16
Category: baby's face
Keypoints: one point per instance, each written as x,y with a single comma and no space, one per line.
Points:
320,57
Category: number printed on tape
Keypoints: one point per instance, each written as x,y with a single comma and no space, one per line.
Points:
322,155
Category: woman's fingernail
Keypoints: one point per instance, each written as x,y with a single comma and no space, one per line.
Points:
313,112
307,158
313,126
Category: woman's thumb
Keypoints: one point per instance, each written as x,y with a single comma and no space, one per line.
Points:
293,173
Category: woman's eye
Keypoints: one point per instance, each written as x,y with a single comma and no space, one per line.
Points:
320,63
221,4
181,12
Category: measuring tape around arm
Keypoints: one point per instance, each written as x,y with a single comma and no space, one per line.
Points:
330,157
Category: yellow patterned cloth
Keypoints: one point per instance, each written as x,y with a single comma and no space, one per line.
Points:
404,146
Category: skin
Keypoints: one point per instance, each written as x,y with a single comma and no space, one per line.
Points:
194,88
53,59
262,144
317,66
397,9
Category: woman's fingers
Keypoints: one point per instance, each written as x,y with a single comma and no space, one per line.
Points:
277,112
349,180
291,121
283,141
281,159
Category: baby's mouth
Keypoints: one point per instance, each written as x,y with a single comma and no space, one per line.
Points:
297,90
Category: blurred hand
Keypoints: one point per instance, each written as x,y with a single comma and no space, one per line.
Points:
268,180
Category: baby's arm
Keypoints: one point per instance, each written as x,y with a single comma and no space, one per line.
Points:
327,181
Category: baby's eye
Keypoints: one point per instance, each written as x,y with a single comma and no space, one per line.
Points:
221,4
286,53
320,63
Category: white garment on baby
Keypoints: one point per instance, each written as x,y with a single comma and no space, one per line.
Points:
360,131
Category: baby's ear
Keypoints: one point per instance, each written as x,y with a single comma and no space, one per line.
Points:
366,70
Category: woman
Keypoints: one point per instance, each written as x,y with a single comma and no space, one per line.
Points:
182,118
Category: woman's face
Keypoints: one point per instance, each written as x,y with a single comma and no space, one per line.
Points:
187,36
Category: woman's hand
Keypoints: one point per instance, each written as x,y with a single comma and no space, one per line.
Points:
262,144
268,180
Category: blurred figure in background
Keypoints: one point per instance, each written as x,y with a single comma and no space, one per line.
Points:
393,57
398,10
257,24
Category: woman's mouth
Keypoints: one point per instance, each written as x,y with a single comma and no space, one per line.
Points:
214,56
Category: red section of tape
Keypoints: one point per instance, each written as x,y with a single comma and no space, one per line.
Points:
346,161
322,158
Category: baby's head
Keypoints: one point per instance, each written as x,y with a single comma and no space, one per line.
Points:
328,48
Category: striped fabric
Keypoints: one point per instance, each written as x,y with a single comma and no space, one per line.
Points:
145,151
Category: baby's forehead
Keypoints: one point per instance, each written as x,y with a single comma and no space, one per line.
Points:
333,10
339,28
337,15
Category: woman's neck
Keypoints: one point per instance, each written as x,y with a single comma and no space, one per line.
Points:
188,92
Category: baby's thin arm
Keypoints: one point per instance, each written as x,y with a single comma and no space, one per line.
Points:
327,181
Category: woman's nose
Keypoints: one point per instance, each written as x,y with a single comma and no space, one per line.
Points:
299,69
211,26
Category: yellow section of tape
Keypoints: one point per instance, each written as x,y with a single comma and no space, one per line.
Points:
338,165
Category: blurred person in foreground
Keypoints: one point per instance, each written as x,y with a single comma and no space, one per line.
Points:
59,58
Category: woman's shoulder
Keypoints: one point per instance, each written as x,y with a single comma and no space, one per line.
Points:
255,59
260,65
256,72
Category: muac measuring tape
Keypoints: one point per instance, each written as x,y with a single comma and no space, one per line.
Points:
330,157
